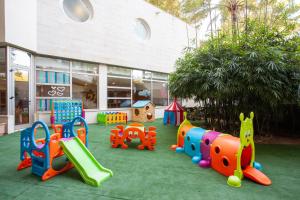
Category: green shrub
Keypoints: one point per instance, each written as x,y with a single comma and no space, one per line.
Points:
259,72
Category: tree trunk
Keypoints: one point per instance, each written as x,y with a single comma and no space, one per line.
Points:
246,18
187,35
210,19
196,39
266,12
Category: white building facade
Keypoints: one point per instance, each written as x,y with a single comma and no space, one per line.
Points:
108,54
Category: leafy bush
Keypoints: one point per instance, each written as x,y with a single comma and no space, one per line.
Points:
259,72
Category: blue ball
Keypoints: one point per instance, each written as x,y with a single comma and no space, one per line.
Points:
257,165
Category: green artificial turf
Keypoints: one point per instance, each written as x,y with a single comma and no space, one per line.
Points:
159,174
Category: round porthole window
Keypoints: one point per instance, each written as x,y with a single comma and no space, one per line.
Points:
142,29
78,10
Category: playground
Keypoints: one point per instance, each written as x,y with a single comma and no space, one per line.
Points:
158,174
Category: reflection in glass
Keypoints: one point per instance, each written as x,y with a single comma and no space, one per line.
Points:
118,82
52,64
45,104
78,10
21,97
85,89
159,76
19,58
52,77
52,91
137,75
84,67
118,103
2,56
160,93
117,92
141,90
142,29
3,82
119,71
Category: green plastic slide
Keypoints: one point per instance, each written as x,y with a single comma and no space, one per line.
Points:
92,172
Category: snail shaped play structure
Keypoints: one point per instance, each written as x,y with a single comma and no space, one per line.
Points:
231,156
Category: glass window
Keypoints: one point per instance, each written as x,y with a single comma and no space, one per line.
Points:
19,58
160,93
119,103
118,82
45,104
147,75
84,87
140,75
141,90
137,74
118,87
52,64
78,10
142,29
141,87
52,81
85,67
118,92
119,71
52,91
46,77
2,55
125,86
3,82
159,76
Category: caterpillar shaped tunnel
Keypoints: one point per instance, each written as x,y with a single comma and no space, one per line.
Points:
231,156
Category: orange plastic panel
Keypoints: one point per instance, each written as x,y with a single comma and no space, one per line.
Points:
82,135
136,124
223,154
256,176
27,162
181,134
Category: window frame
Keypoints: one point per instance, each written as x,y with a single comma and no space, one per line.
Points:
148,80
88,74
118,87
168,96
151,80
68,71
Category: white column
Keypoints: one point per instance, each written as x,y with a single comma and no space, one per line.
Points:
102,89
10,90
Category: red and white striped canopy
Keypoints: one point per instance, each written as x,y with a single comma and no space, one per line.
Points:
174,106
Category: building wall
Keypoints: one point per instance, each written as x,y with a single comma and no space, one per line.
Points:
109,36
41,26
21,23
2,21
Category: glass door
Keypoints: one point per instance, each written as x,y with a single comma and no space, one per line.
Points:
20,91
22,100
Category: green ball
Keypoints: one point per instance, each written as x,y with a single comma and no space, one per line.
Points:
234,181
